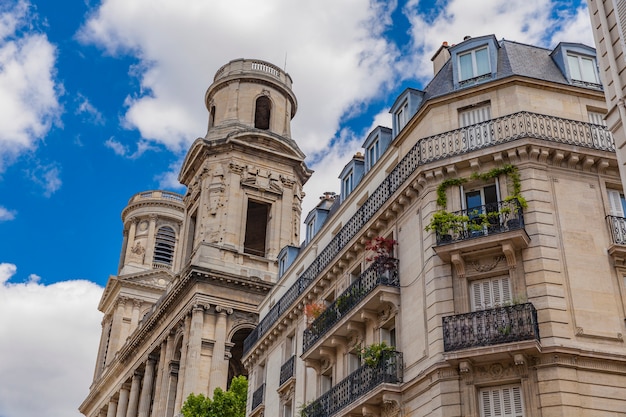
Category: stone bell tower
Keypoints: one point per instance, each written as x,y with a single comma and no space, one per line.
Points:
195,268
245,177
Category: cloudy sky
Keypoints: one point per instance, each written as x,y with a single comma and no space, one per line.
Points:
100,100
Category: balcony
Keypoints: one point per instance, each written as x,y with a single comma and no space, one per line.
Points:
375,276
287,370
617,229
501,130
257,398
359,385
490,327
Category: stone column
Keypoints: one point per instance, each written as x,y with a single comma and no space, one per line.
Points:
150,243
192,383
146,388
219,366
183,364
133,400
102,412
171,388
131,238
116,330
104,341
122,403
112,410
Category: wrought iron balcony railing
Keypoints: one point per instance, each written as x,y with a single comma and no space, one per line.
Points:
287,370
357,384
490,327
617,226
483,221
375,275
497,131
257,397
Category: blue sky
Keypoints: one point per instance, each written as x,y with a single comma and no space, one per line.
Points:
100,100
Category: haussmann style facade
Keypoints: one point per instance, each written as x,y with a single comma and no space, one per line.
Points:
502,293
498,288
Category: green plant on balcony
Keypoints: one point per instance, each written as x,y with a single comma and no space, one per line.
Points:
372,354
445,223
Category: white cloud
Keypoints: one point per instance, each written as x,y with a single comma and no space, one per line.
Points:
121,149
334,52
6,214
28,93
46,176
85,108
48,340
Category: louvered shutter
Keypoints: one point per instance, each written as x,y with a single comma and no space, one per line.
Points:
501,402
620,10
490,293
476,136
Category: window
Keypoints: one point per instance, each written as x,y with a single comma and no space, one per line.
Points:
476,133
373,153
256,228
353,362
282,265
474,63
490,293
212,116
403,115
287,411
262,113
310,230
388,335
348,183
501,402
326,380
617,203
583,68
164,246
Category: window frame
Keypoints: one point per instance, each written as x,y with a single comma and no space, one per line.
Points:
570,55
475,63
500,390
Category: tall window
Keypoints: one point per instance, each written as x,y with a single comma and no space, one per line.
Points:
583,68
348,184
477,133
164,246
617,203
212,116
474,63
501,401
373,153
403,115
262,113
256,228
310,230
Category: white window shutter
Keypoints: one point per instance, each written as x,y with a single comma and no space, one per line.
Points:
501,402
490,293
620,10
615,201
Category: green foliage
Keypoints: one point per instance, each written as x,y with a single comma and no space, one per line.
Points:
231,403
442,199
372,354
444,222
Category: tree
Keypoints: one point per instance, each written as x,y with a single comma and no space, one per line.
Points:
231,403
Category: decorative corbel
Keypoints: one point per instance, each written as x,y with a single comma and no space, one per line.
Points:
459,263
509,252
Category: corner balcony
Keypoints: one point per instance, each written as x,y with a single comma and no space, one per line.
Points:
617,229
492,327
366,385
377,280
499,224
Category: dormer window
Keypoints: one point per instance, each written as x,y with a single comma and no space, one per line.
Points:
474,63
310,230
373,153
402,115
347,184
583,68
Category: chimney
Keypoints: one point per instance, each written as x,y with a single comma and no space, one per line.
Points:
441,57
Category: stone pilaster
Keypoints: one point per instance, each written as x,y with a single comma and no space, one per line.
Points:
150,243
146,388
116,330
219,365
183,364
161,380
131,238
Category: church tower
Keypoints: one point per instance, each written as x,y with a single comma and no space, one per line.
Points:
194,268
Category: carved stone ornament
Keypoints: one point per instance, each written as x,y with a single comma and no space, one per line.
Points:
487,267
137,252
390,408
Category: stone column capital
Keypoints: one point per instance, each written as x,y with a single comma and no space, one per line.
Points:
223,310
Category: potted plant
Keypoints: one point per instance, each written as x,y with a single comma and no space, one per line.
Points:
313,310
383,251
372,354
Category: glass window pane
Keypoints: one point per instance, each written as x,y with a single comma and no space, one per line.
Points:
482,62
588,70
574,69
465,66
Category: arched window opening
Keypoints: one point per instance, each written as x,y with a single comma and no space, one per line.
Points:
235,366
164,247
212,116
262,113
